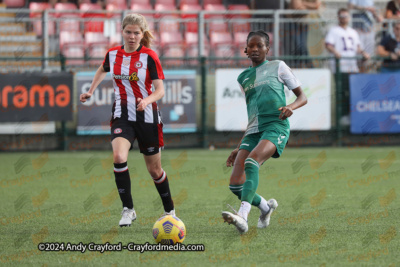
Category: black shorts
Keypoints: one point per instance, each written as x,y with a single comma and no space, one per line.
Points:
149,135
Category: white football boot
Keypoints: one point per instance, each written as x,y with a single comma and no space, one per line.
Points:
236,220
128,216
172,213
264,219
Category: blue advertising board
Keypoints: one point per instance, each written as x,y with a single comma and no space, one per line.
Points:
375,103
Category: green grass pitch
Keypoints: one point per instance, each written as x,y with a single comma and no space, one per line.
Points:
337,207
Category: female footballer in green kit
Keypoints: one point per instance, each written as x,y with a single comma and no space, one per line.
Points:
267,131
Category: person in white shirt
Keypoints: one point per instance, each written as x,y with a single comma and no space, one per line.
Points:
344,41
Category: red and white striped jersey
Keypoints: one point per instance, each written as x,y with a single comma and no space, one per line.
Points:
132,79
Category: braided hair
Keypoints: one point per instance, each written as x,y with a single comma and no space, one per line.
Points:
260,33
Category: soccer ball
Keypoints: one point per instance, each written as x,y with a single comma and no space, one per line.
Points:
169,230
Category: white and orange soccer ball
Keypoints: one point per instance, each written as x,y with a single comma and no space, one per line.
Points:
169,230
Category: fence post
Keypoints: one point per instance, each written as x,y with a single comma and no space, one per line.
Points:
339,102
45,38
276,34
204,135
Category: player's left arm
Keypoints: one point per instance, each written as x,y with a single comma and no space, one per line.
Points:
286,76
301,100
155,96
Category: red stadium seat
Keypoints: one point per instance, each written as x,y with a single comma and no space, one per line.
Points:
217,22
169,23
74,50
225,52
36,10
97,51
175,51
115,40
112,9
95,38
220,38
163,7
191,26
170,38
147,2
119,4
192,46
69,22
68,38
14,3
237,25
189,2
140,7
240,38
166,2
39,8
206,2
63,8
92,25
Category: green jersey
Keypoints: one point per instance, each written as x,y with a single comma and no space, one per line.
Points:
263,87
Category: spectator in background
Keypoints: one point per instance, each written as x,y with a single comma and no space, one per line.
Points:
344,41
363,22
390,47
299,31
393,10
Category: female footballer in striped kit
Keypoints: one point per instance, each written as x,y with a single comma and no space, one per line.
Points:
268,128
135,115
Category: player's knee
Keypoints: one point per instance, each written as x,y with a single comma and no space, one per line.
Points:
155,172
119,157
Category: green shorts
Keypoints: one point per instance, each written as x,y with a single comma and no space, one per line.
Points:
279,137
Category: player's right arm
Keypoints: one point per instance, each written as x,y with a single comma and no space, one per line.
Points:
98,77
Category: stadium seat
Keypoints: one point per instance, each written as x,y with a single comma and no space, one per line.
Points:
226,53
115,40
137,7
74,50
36,10
169,23
14,3
189,2
63,8
220,38
174,51
68,38
113,8
240,38
92,26
166,2
147,2
216,22
237,25
191,26
95,38
97,51
119,4
171,39
206,2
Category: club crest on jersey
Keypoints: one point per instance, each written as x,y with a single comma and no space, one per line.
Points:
138,64
126,62
118,131
132,77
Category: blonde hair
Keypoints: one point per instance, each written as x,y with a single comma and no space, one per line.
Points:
140,20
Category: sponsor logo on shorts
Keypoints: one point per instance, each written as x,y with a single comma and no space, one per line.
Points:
138,64
281,137
245,144
132,77
118,131
150,149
